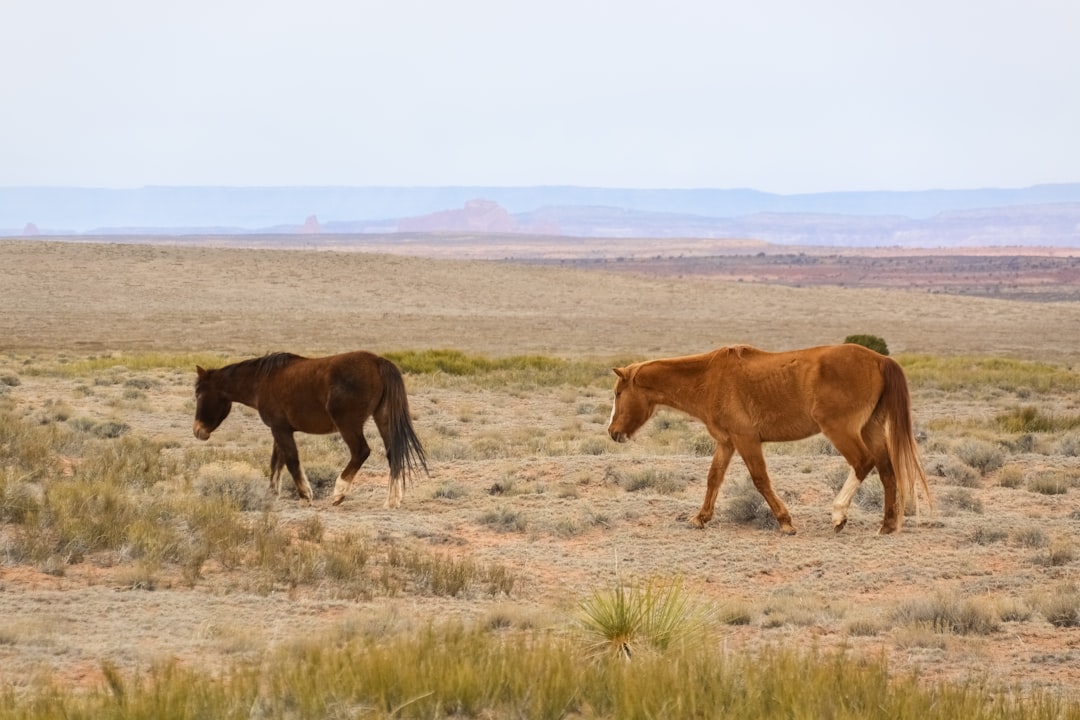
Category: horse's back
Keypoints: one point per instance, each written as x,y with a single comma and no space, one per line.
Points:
309,386
812,364
792,388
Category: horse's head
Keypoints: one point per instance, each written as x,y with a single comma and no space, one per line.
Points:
632,407
211,405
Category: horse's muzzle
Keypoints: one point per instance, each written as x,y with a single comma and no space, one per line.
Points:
201,432
619,436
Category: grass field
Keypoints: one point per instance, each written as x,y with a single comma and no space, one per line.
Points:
145,573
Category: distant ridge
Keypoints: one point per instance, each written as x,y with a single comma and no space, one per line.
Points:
1042,214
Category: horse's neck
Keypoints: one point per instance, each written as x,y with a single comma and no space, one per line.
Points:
679,382
240,386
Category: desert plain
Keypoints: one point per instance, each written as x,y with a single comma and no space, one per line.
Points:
524,481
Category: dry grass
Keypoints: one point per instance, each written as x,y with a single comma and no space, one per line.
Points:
530,508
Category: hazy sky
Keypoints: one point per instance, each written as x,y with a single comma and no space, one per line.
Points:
785,96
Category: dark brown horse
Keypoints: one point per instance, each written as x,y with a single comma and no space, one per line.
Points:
317,395
855,397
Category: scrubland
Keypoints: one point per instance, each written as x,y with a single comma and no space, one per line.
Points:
542,570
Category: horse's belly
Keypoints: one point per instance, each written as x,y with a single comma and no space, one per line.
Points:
787,428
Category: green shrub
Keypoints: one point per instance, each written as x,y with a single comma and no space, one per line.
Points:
873,342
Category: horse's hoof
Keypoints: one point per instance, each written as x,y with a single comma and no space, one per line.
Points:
697,523
338,499
788,529
886,530
839,525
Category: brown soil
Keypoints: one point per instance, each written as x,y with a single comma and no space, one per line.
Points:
584,529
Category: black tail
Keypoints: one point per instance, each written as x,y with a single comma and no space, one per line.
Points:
404,451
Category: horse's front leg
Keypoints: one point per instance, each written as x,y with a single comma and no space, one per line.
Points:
750,450
720,461
285,445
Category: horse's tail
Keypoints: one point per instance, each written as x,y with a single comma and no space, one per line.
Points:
895,403
403,449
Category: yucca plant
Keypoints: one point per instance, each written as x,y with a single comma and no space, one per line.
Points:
655,614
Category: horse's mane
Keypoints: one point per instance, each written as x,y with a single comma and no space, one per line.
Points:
266,364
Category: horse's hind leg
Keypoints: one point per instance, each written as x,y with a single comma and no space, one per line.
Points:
285,446
874,433
276,465
857,454
359,452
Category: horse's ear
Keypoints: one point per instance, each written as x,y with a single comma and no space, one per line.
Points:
621,372
200,371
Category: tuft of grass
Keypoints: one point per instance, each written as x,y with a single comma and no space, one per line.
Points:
865,627
450,491
651,479
746,505
453,670
529,370
236,483
1029,419
988,535
1011,476
504,520
950,613
950,373
957,473
960,499
1060,606
1060,551
981,456
136,362
1051,482
1030,537
654,614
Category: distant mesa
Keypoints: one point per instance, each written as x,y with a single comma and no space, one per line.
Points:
1037,216
478,216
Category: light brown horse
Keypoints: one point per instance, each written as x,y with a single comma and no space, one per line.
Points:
856,397
317,395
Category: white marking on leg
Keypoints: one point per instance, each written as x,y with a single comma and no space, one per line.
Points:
341,488
394,493
843,499
305,486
